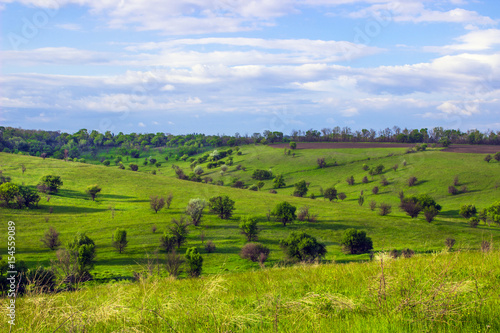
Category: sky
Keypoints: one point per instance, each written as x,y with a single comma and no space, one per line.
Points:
246,66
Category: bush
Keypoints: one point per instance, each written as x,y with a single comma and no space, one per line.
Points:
210,247
467,211
260,185
92,190
8,192
452,190
411,207
51,182
303,247
430,213
497,157
408,253
373,205
412,181
167,242
487,158
106,163
384,209
342,196
195,209
248,226
473,222
255,252
375,190
384,181
377,170
292,145
366,167
194,262
330,193
273,191
279,181
173,264
83,249
449,242
364,180
284,212
361,200
120,240
179,229
455,181
305,215
321,162
395,167
350,180
300,189
198,170
356,242
51,239
238,184
222,206
262,174
157,203
133,167
168,201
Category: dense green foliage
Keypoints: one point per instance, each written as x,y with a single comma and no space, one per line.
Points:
303,247
222,206
356,242
284,212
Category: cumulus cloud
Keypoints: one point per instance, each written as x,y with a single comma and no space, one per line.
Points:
474,41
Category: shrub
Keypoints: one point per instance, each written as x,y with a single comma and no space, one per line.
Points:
156,203
300,189
473,222
51,182
284,212
254,252
167,242
120,240
279,181
303,247
411,207
168,201
292,145
494,211
412,181
51,239
373,205
195,209
467,211
364,180
430,213
485,246
356,242
222,206
361,200
238,184
384,209
375,190
198,170
452,190
153,228
497,157
262,174
210,247
455,181
8,192
106,163
260,185
487,158
321,162
464,189
224,168
377,170
330,193
179,172
366,167
408,253
92,190
253,187
449,242
395,167
350,180
173,264
384,181
342,196
305,215
83,249
248,226
194,262
179,229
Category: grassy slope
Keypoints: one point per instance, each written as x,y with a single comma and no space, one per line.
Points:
129,192
445,292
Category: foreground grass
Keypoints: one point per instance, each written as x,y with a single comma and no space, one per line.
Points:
442,292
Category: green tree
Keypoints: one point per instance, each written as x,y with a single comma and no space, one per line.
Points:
330,193
195,209
222,206
284,212
293,145
194,262
279,181
467,211
494,211
356,242
302,246
179,229
83,249
248,226
92,190
157,203
51,182
120,240
300,189
168,242
260,185
8,192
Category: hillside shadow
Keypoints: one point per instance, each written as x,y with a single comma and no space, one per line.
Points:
450,213
114,196
72,209
71,194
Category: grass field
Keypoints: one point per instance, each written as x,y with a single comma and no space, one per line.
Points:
124,203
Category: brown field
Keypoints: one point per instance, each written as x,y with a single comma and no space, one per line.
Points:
473,149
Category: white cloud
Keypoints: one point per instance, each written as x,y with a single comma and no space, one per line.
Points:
55,56
141,124
69,26
474,41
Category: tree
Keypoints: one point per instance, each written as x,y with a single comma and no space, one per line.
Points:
284,212
292,145
497,157
260,185
411,206
303,247
279,181
321,162
195,209
51,182
133,167
467,211
494,211
156,203
342,196
487,158
430,213
262,174
167,242
248,226
300,189
179,229
92,190
445,142
51,239
198,170
222,206
330,193
356,242
28,197
384,209
255,252
8,192
120,240
194,262
350,180
83,249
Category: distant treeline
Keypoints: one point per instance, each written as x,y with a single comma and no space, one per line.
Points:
60,145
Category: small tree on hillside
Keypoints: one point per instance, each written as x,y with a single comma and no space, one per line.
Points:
411,206
487,158
350,180
321,162
248,226
8,192
194,262
51,182
303,247
179,229
83,249
120,240
293,145
156,203
255,252
51,239
167,242
356,242
300,189
222,206
279,181
467,211
92,190
195,209
284,212
330,193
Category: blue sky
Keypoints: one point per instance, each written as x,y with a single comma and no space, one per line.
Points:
227,66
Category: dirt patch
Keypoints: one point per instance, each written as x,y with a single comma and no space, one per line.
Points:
341,145
473,149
